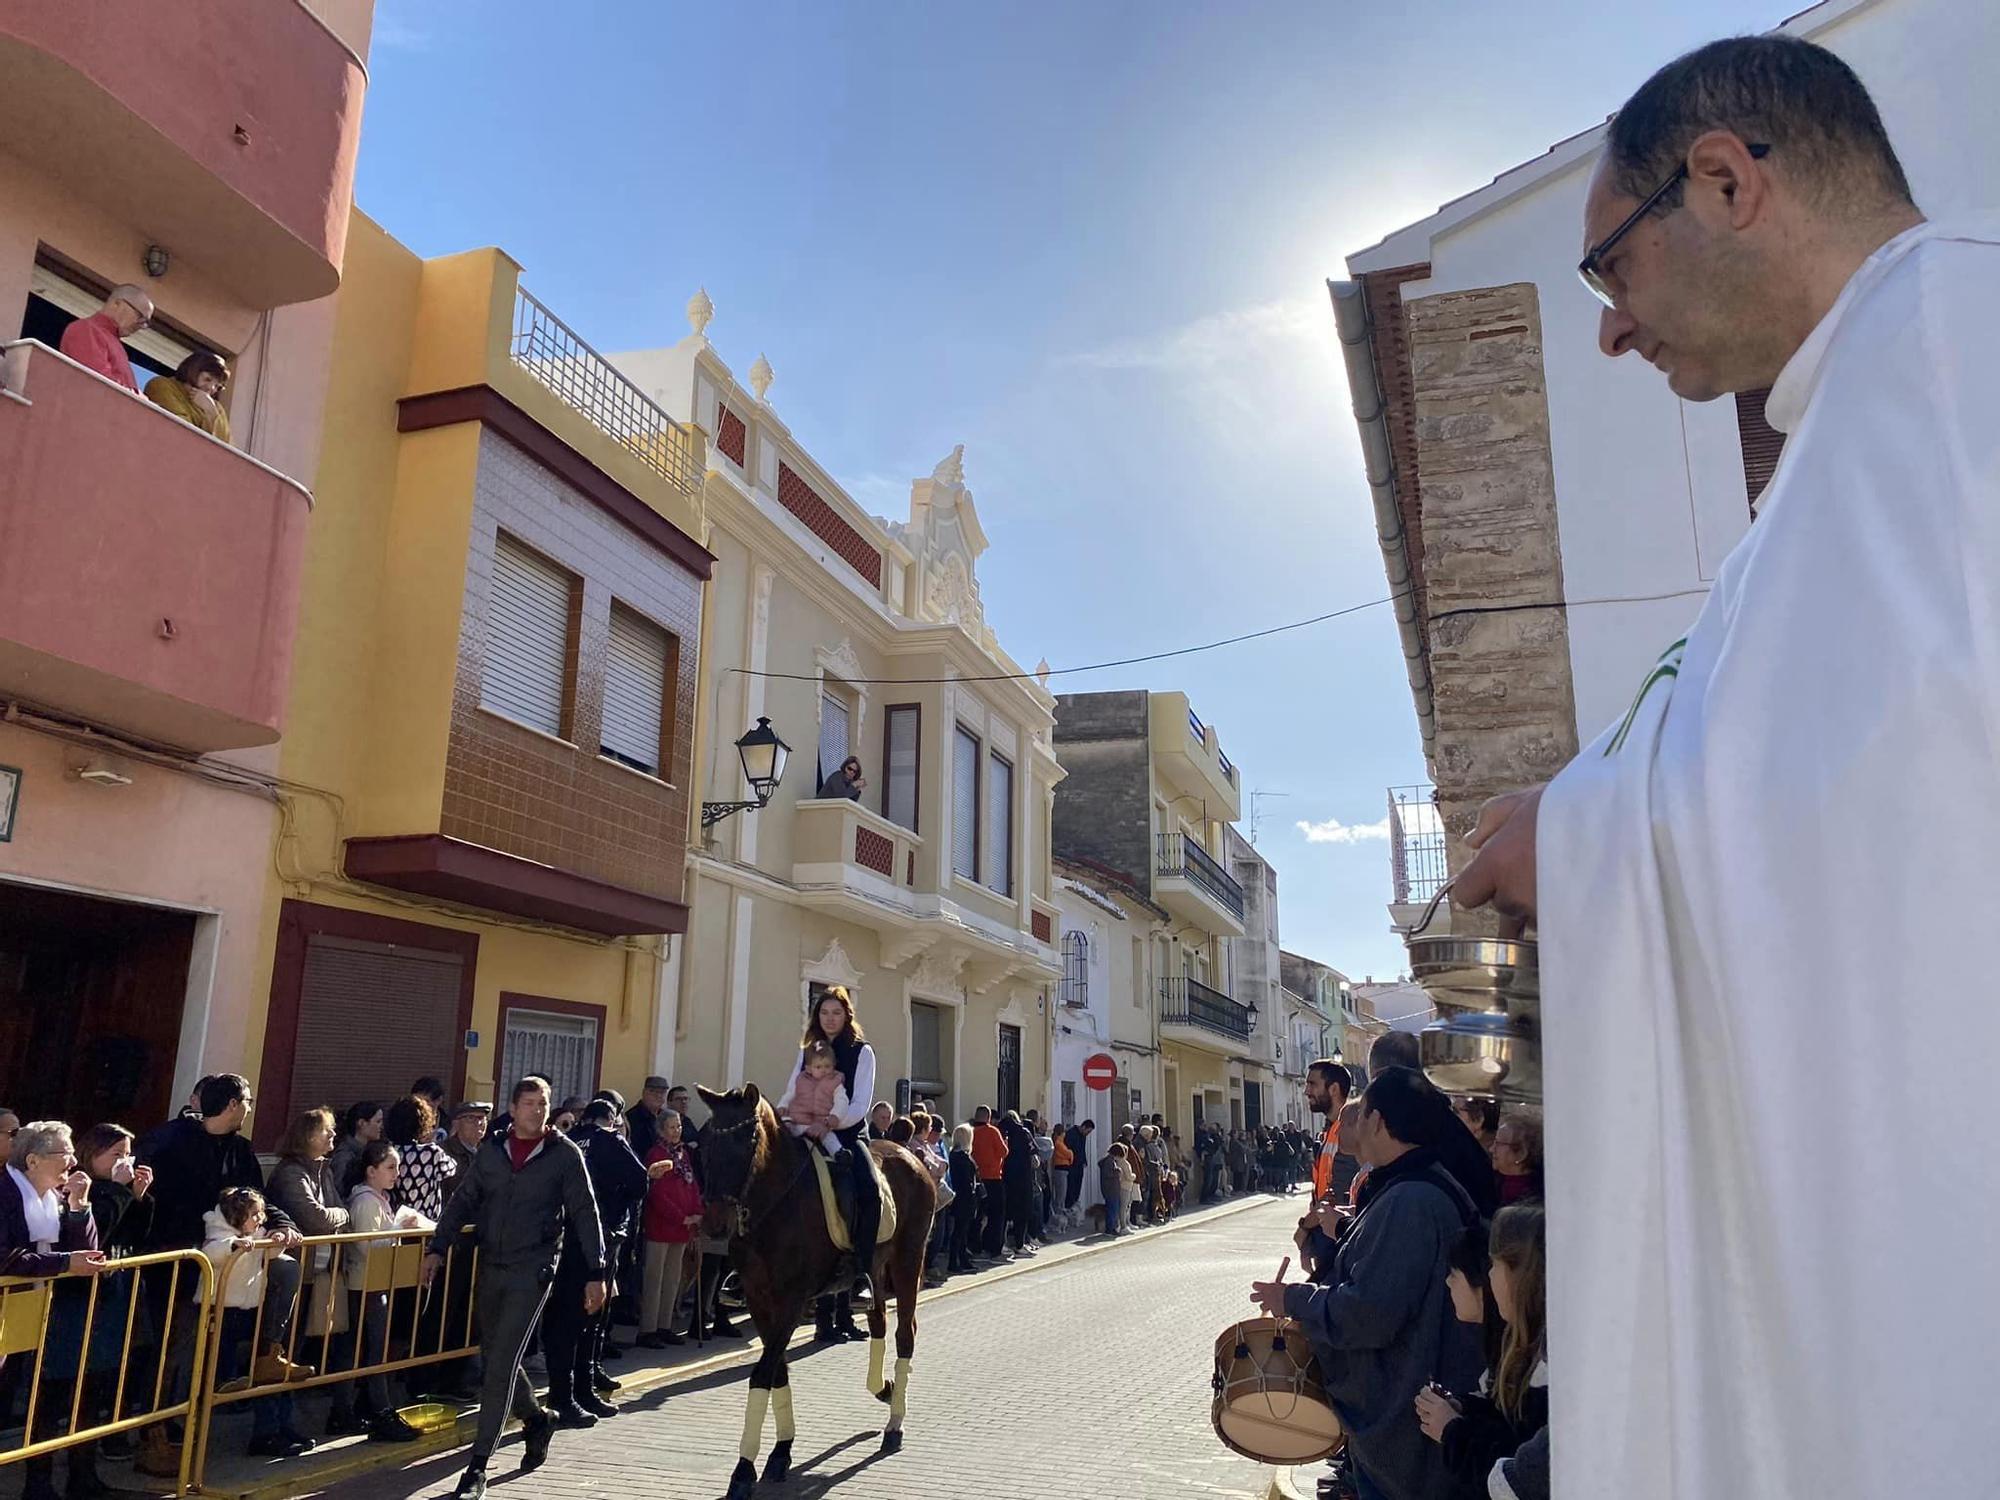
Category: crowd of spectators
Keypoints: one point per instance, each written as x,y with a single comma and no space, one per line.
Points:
1424,1299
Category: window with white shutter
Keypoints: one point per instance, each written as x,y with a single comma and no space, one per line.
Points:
999,841
902,725
526,671
835,719
636,676
965,803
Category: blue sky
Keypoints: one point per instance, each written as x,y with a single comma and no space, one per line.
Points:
1089,241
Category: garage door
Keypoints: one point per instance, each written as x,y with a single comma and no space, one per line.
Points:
373,1018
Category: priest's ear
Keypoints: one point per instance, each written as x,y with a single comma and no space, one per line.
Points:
1728,182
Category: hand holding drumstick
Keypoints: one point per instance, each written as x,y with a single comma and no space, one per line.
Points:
1270,1295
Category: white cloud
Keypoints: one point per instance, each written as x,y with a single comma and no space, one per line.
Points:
1333,831
1244,333
397,35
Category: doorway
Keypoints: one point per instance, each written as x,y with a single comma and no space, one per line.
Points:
91,997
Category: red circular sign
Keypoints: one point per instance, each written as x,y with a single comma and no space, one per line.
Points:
1100,1071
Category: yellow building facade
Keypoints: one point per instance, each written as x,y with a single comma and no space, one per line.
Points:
493,706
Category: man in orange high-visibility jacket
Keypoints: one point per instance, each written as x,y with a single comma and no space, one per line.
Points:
1328,1084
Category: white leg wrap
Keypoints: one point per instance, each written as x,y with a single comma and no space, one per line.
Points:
781,1412
753,1422
877,1351
899,1401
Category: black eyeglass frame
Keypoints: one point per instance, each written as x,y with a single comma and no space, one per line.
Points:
1590,270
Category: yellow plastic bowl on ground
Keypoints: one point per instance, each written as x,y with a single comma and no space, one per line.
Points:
430,1416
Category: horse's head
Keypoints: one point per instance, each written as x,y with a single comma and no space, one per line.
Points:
735,1142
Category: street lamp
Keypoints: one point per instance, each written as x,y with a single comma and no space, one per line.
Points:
763,756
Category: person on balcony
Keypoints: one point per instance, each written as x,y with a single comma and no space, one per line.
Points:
845,781
98,341
194,393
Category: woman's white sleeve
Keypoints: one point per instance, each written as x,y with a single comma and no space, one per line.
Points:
864,1091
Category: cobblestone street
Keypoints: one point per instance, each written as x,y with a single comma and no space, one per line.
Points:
1084,1379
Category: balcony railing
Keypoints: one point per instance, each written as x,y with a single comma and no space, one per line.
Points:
585,381
1186,1001
1416,844
1182,857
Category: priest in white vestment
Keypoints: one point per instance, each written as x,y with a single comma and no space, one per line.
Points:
1765,896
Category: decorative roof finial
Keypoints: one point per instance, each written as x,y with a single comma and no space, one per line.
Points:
761,376
699,311
951,469
1042,670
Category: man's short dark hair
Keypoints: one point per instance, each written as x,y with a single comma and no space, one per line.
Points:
430,1088
1394,1049
599,1112
1090,1124
529,1085
1780,91
1334,1073
221,1091
1412,1109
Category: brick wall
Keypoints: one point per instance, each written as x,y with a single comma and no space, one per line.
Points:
1104,804
1505,709
510,788
826,523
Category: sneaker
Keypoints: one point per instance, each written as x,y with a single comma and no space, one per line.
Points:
472,1486
603,1384
537,1432
654,1341
390,1427
158,1457
280,1445
596,1405
572,1417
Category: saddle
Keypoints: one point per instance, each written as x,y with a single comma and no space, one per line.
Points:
837,1195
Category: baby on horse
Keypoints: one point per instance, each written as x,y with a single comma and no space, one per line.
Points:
817,1098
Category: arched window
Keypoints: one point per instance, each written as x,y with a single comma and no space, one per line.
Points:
1076,969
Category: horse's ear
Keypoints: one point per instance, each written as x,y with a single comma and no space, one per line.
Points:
751,1095
708,1095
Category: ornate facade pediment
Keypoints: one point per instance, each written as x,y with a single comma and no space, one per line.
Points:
831,967
946,539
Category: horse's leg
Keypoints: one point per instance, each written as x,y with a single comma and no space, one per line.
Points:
908,1263
766,1373
779,1466
878,1326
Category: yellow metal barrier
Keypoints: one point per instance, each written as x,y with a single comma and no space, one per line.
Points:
385,1263
33,1309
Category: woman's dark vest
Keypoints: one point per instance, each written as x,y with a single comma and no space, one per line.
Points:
847,1057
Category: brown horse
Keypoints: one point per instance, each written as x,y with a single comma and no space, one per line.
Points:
785,1259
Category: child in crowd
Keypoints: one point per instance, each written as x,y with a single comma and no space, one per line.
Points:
1114,1178
231,1232
370,1209
816,1099
1482,1433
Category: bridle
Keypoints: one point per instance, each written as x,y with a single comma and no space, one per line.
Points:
743,1221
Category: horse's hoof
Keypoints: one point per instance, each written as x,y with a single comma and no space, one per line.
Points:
892,1442
778,1467
743,1481
887,1393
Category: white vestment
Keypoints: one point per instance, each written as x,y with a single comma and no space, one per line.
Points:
1766,909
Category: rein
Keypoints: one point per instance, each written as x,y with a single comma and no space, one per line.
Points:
745,1221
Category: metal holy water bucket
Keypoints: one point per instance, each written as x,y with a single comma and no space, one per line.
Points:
1487,1039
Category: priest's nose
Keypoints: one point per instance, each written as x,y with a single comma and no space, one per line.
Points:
1615,329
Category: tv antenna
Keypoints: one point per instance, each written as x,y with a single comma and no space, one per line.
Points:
1256,810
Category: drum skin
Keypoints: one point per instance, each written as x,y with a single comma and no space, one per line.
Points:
1270,1403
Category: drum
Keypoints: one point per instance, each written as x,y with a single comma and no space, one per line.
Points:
1270,1403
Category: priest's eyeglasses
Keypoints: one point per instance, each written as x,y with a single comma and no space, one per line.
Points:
1591,267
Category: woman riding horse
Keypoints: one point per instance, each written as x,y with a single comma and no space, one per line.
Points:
780,1244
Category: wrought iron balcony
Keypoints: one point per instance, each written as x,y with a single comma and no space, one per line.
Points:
1182,858
1186,1001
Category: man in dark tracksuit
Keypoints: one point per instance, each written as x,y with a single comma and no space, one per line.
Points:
526,1188
571,1337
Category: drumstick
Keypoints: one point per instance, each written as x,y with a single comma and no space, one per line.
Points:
1284,1266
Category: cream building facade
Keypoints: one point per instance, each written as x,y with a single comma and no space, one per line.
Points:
929,896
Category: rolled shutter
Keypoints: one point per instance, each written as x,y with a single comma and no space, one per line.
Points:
635,690
372,1016
833,724
1762,443
526,667
899,797
965,805
999,849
